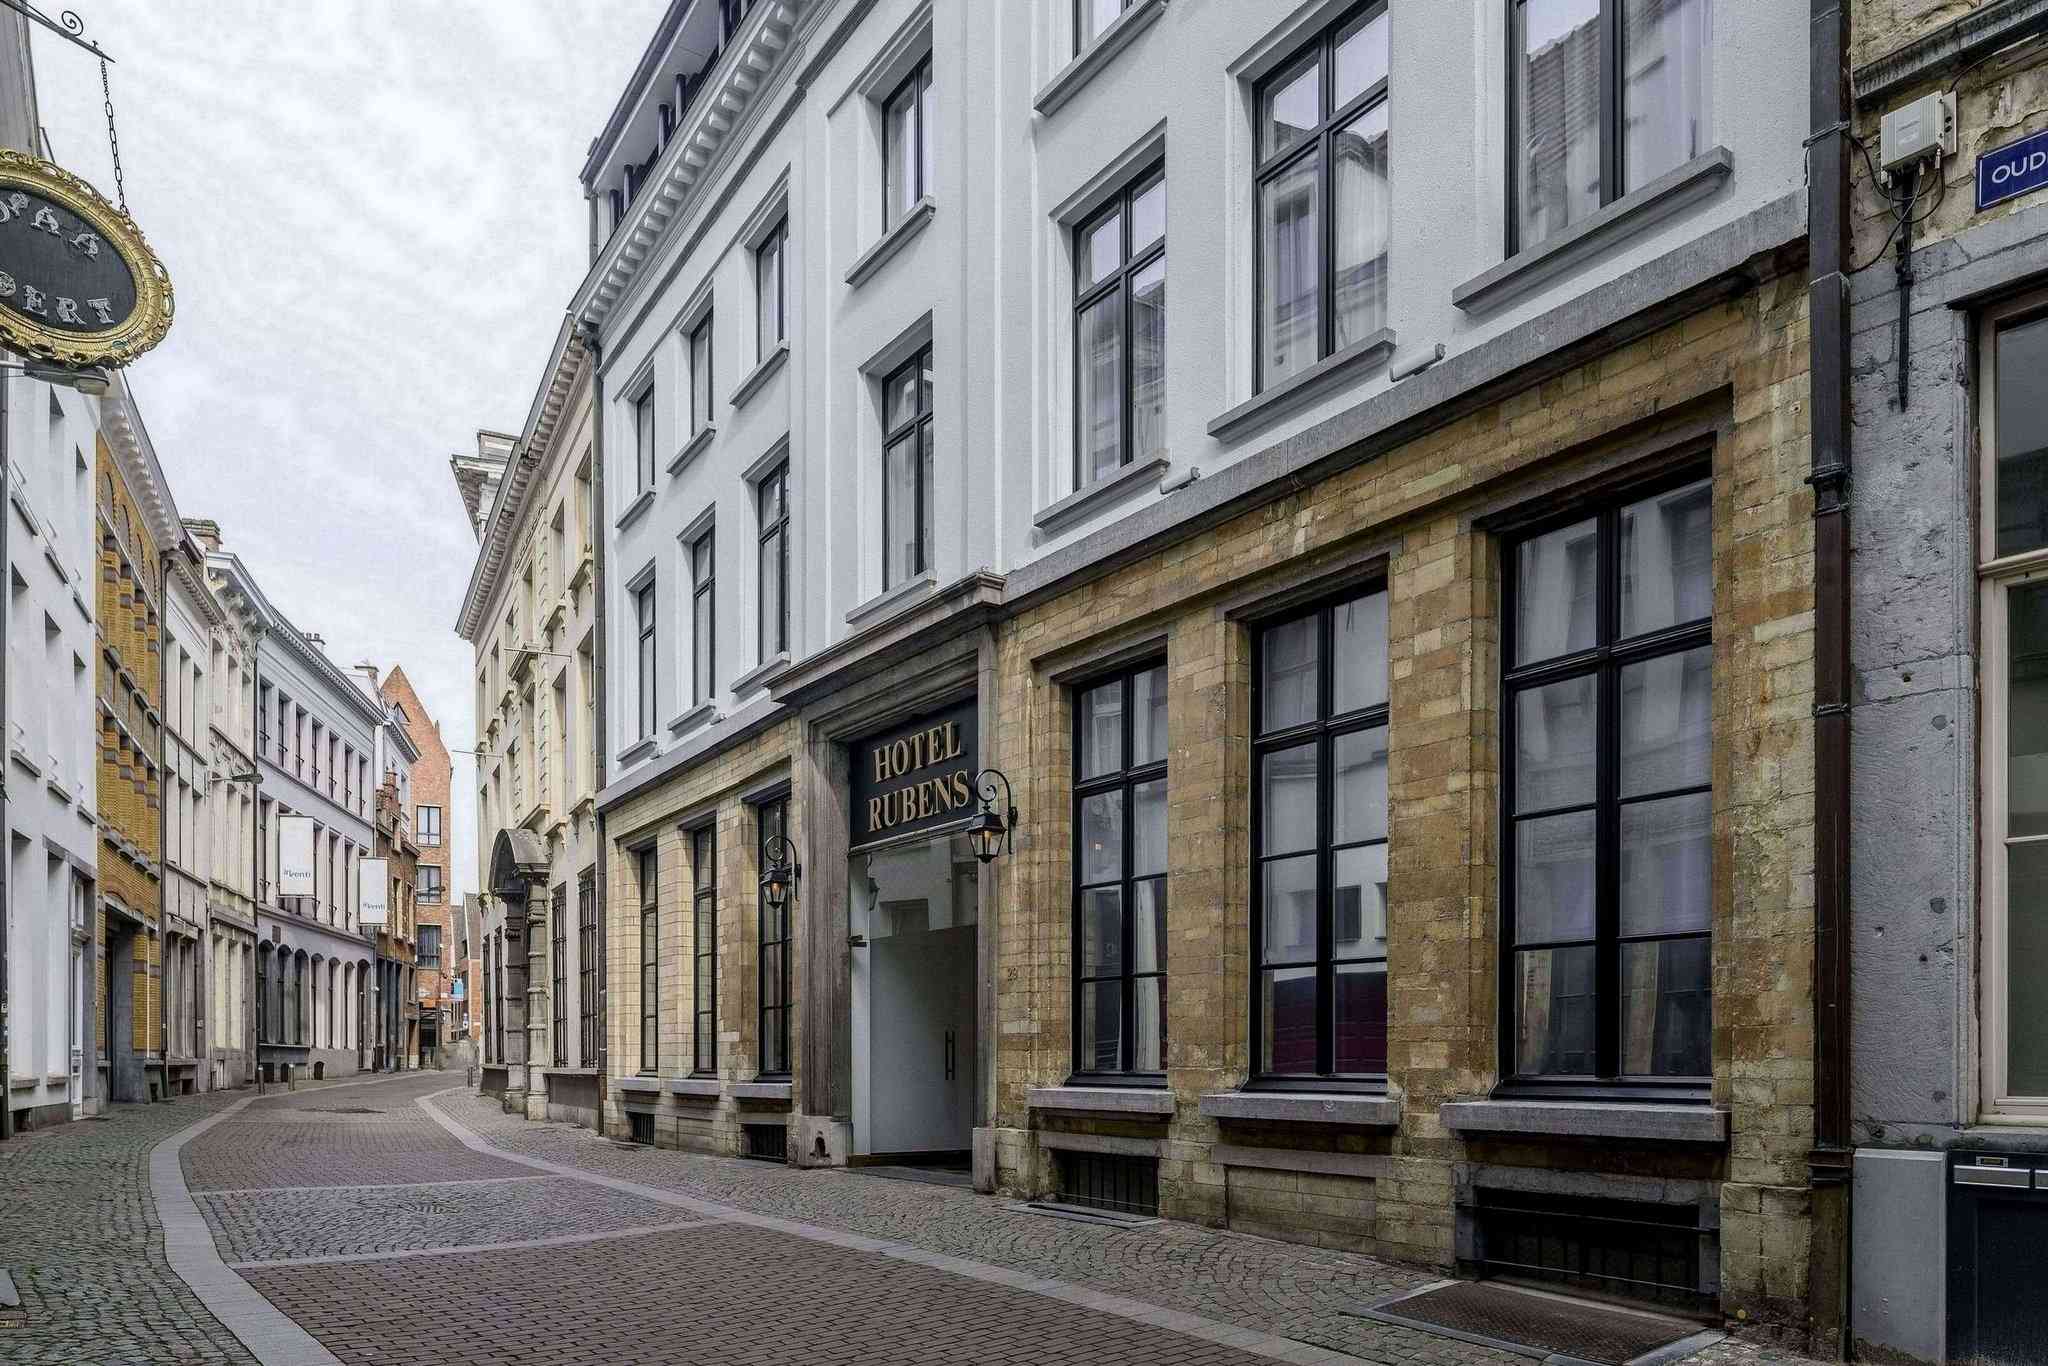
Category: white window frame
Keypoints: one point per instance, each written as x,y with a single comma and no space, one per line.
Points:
1995,578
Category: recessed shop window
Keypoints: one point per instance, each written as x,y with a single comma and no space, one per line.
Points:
2013,598
1120,882
1319,844
1606,723
772,824
704,949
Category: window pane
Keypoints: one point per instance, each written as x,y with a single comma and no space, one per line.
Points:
2021,419
2026,710
899,511
771,596
1288,783
1556,744
2026,969
1666,1016
927,110
1554,1012
768,295
1360,203
1358,643
768,499
1290,910
1667,58
1099,376
1096,15
700,635
1148,216
1666,855
1667,559
1288,655
1558,112
899,398
1667,722
1360,1031
1290,328
1148,926
1554,878
1148,361
1102,932
1361,58
1557,593
899,133
1148,717
1101,1026
700,377
1102,837
1358,903
1102,249
1359,786
1148,1023
1293,107
1287,1010
1102,730
1148,828
925,462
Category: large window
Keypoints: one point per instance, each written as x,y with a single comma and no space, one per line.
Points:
703,617
429,887
1319,844
430,946
643,610
771,314
586,968
700,376
1091,17
907,471
2014,576
1322,198
771,498
643,438
1608,95
429,822
773,818
1120,331
650,964
1606,722
907,145
1120,858
704,929
558,976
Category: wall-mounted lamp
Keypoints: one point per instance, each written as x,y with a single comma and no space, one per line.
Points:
92,380
991,832
780,877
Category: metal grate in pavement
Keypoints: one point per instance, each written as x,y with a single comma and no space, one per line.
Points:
1537,1323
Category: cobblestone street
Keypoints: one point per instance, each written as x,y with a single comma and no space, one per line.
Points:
509,1234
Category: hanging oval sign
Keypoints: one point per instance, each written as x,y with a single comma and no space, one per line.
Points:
78,285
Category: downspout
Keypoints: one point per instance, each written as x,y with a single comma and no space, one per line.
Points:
163,819
6,1046
597,700
1829,1164
255,1025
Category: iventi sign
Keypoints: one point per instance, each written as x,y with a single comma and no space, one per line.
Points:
2012,170
78,285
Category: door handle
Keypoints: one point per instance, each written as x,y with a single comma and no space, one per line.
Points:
951,1055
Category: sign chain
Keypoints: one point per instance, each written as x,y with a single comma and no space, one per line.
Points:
113,138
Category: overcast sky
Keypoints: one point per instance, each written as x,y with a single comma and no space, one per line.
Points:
371,219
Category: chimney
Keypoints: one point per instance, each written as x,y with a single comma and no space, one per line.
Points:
204,530
317,641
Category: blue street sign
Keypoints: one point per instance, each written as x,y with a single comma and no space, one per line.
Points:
2012,170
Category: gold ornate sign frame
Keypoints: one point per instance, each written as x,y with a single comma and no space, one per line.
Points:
145,324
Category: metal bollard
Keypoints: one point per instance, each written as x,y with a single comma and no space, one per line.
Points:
291,1077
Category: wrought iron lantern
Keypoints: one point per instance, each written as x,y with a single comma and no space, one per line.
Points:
990,832
780,877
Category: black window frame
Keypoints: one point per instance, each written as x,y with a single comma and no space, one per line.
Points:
586,967
428,831
771,819
558,965
917,429
704,950
429,953
1323,731
704,635
775,240
646,658
775,530
647,863
700,381
644,438
1604,661
429,895
918,82
1322,144
1118,282
1122,779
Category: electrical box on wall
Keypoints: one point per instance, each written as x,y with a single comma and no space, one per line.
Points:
1913,132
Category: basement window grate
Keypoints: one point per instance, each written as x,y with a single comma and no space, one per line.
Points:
1631,1248
1123,1185
768,1142
640,1128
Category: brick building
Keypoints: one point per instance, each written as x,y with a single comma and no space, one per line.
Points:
433,837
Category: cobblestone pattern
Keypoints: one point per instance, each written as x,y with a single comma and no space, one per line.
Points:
79,1235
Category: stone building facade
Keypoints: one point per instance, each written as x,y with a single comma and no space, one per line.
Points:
433,834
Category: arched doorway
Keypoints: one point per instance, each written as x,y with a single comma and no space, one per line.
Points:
518,879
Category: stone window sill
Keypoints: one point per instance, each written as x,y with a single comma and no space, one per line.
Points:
762,373
1342,367
1527,269
1104,1100
635,510
568,1071
1091,60
696,1088
642,1085
1112,488
761,674
1641,1121
692,448
776,1092
701,712
893,597
891,242
1305,1107
636,751
1301,1160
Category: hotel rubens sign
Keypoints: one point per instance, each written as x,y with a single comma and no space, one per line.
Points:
916,776
78,285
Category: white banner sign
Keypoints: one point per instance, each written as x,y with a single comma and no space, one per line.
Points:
373,900
295,856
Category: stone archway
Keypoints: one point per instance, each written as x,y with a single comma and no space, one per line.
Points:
518,879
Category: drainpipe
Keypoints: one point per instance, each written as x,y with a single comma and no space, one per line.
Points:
6,475
1829,1164
253,1022
597,737
163,817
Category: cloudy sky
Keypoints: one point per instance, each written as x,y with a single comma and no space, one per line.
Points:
370,214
